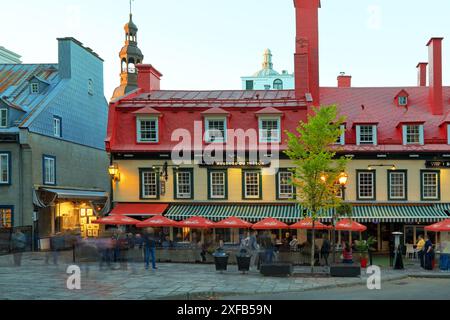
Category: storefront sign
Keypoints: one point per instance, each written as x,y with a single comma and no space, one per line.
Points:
237,164
438,164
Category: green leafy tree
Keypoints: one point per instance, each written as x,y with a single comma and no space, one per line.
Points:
317,169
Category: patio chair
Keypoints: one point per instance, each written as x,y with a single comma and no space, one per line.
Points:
410,251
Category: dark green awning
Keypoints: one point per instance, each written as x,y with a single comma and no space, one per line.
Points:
291,213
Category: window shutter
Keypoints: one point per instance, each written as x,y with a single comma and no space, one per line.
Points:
375,135
421,135
358,135
405,136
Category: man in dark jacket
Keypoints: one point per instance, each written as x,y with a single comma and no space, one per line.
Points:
325,250
149,244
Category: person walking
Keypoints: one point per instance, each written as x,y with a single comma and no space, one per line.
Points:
149,249
18,245
429,253
419,247
325,250
347,253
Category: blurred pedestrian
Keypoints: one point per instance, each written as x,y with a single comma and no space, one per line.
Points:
419,247
18,245
347,253
429,253
149,248
325,250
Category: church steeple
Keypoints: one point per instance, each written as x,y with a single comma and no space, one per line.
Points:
130,55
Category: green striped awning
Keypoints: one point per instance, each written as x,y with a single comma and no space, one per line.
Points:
288,213
291,213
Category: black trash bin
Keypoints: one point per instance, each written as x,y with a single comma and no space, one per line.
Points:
243,261
221,260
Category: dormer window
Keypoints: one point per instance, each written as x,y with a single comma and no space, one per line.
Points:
366,134
3,118
147,130
216,129
403,101
34,88
413,134
269,130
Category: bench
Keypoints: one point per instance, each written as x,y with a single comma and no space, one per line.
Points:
345,270
276,270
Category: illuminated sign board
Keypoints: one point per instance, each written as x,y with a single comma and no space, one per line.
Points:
438,164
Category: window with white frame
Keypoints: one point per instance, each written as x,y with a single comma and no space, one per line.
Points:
149,184
397,185
216,130
366,134
34,88
402,101
49,170
217,184
4,168
285,187
57,127
252,180
366,185
3,118
430,185
184,185
413,134
278,84
269,130
147,130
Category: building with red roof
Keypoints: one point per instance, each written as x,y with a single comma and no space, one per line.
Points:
213,153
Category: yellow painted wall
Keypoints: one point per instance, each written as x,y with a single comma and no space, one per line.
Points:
127,190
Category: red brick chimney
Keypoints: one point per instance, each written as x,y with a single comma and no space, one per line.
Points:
307,49
435,74
148,78
422,74
344,81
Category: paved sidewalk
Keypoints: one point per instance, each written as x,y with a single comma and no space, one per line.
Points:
35,280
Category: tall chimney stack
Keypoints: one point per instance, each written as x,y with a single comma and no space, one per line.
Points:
422,74
307,49
435,74
344,81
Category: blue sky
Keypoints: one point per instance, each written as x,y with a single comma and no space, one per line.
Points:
209,44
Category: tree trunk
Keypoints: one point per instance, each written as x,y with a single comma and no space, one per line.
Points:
313,246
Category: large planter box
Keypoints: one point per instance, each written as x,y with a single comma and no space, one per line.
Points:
345,270
243,263
221,263
277,270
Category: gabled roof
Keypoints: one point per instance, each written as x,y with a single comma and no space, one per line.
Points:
147,110
269,111
215,111
402,93
14,86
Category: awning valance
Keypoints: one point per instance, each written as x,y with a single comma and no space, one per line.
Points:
139,209
292,213
252,213
77,194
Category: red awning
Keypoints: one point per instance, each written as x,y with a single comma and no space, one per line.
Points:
443,226
196,223
270,224
139,209
308,224
117,220
233,223
157,222
349,225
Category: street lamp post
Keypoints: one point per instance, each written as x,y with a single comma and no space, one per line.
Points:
343,179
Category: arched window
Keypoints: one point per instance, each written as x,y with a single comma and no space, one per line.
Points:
124,65
278,84
131,66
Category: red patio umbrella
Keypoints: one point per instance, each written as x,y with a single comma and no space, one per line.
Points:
117,220
196,223
270,224
308,224
157,222
233,223
443,226
350,225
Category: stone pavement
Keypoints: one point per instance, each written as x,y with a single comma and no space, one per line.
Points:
35,280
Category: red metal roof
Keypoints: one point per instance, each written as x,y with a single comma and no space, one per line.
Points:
181,109
139,209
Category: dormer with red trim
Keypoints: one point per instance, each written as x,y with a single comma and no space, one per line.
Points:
402,99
